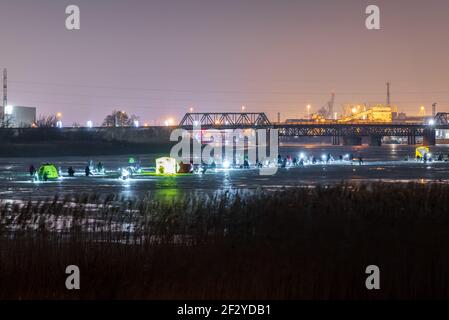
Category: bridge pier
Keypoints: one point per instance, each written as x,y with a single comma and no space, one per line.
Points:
411,140
429,137
375,141
265,143
336,140
352,141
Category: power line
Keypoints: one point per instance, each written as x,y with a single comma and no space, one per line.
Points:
221,91
189,101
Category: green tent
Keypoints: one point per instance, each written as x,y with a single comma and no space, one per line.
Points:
48,172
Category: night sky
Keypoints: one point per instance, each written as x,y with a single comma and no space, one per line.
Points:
156,59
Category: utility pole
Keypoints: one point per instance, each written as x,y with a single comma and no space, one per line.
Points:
5,94
388,94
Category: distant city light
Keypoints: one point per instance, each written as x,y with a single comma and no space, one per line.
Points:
136,123
169,122
422,111
59,124
59,115
9,110
89,124
432,122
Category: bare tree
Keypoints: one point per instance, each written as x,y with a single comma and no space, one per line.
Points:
7,121
47,121
119,119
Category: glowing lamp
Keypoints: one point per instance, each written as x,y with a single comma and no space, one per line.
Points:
9,110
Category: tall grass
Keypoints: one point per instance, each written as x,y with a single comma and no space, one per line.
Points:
299,243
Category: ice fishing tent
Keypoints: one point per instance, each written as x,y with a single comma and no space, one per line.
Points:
48,171
166,165
421,151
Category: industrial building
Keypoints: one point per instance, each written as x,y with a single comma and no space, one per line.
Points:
18,116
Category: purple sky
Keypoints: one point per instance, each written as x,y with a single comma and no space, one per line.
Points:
157,59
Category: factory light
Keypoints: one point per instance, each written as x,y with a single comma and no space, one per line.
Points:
59,124
136,123
9,110
432,122
89,124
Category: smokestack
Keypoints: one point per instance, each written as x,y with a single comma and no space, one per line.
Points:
434,110
388,94
279,117
331,105
5,93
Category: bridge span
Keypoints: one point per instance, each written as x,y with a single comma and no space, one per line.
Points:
346,133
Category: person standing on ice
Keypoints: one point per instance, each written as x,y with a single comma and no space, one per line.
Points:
32,170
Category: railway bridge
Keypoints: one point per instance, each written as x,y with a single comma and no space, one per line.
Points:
346,133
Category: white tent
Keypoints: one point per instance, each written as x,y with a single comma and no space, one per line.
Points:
166,165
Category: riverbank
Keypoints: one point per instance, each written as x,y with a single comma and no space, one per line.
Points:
80,149
59,142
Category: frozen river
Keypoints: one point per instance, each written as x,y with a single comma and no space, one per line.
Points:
387,163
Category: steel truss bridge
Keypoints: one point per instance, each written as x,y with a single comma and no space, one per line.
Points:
217,119
224,121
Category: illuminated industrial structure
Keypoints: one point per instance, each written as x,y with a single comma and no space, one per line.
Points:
361,113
